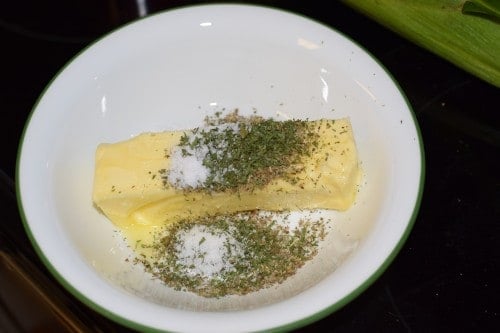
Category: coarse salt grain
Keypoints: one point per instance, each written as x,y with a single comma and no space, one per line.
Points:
205,252
187,169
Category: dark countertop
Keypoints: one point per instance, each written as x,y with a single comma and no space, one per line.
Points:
445,278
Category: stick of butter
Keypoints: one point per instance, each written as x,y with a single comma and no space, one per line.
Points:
132,187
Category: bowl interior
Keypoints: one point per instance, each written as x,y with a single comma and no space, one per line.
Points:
168,72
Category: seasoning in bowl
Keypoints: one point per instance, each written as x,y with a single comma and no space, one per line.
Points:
193,199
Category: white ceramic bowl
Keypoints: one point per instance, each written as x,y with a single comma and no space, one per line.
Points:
167,72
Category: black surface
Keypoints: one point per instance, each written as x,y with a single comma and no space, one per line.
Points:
446,277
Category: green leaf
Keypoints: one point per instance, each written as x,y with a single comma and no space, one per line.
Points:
487,8
471,42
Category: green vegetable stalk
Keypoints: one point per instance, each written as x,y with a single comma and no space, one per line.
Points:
466,33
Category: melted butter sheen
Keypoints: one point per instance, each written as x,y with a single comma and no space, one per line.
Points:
130,190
